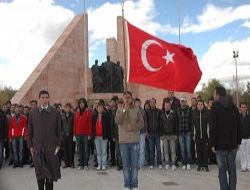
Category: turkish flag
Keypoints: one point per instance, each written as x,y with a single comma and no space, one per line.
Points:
157,63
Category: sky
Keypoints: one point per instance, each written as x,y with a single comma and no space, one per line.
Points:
212,28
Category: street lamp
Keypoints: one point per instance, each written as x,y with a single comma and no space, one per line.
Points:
235,56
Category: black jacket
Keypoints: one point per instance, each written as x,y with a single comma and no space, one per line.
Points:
113,125
153,120
245,122
175,103
67,124
200,124
3,125
184,119
106,130
225,125
168,123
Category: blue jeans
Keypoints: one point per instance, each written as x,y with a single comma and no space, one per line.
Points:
226,163
101,151
130,155
83,149
185,145
1,151
17,145
154,142
142,150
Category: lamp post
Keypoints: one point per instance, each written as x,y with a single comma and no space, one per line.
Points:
235,56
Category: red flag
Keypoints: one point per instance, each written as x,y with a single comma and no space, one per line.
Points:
157,63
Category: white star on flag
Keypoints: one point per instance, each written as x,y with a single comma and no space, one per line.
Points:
169,57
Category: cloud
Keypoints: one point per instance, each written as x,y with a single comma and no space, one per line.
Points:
28,30
218,61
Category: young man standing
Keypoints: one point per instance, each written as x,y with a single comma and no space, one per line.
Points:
130,121
225,136
44,140
245,143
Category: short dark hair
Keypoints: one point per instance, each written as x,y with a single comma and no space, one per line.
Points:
211,99
42,92
137,100
8,102
68,105
202,101
153,99
84,101
193,98
127,92
243,103
33,101
220,90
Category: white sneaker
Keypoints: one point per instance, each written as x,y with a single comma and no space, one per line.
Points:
188,167
167,167
126,188
98,168
243,169
86,168
151,167
80,168
184,167
160,167
173,167
103,168
135,189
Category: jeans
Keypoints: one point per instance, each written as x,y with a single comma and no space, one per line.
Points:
83,149
169,142
17,145
1,151
226,163
185,145
154,142
142,150
245,154
118,153
130,155
101,150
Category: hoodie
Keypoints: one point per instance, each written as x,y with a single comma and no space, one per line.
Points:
225,124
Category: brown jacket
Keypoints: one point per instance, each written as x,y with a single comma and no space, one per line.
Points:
44,135
129,124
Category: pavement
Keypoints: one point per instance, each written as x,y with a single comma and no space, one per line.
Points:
111,179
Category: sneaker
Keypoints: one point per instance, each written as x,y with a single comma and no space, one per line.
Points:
160,167
80,168
86,168
198,169
184,167
103,168
135,189
126,188
173,167
98,168
188,167
206,169
151,167
167,167
243,169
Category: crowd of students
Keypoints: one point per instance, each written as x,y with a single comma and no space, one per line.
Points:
171,134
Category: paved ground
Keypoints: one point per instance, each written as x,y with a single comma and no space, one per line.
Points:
73,179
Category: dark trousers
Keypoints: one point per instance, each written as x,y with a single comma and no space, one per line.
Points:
26,153
118,153
83,150
154,143
6,147
68,150
48,185
111,150
147,151
193,151
202,152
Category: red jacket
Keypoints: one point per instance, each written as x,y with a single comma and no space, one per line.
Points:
83,123
18,129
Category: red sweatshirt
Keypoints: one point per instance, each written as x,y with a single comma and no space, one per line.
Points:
17,129
83,123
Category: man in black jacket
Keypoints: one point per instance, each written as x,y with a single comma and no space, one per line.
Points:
3,131
225,136
153,116
245,143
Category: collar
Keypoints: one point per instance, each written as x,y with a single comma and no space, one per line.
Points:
46,108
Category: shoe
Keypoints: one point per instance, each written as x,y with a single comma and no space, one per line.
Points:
20,165
65,166
135,189
173,167
160,167
198,169
10,163
98,168
126,188
248,169
119,168
0,166
188,167
206,169
72,166
167,167
184,167
243,169
80,168
103,168
95,165
86,168
15,165
151,167
32,165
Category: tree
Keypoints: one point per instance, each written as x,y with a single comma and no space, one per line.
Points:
208,89
6,93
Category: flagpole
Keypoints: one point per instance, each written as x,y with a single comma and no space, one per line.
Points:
179,18
85,52
124,47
